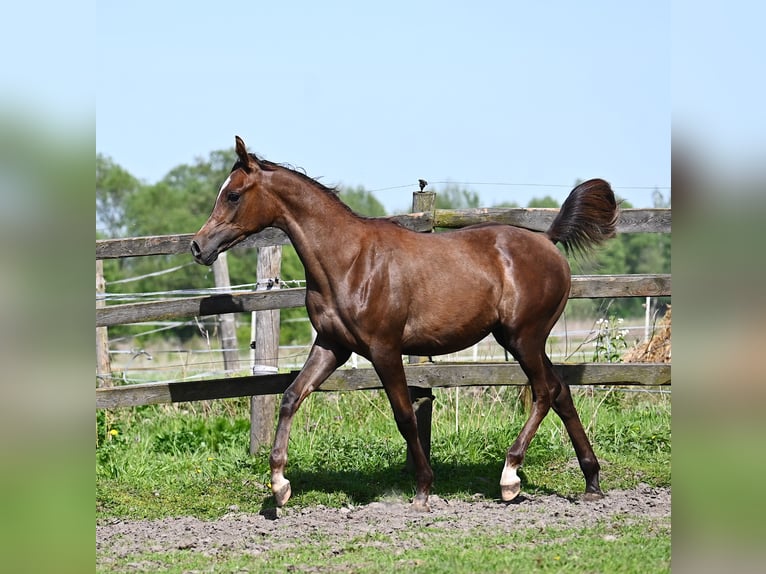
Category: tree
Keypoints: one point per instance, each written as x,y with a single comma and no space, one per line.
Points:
182,200
546,202
180,203
114,185
362,201
452,196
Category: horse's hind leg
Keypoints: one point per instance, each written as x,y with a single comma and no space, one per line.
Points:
533,365
565,409
547,391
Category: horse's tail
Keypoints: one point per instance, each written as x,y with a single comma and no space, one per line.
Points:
588,217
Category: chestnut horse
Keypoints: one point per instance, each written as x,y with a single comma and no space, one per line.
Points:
369,292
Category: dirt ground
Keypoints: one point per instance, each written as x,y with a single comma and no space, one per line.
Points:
238,532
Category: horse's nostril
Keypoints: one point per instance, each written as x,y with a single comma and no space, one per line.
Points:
196,251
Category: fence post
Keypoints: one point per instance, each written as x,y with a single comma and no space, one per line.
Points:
265,347
228,327
103,364
422,398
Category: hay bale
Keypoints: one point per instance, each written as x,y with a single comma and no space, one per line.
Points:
656,349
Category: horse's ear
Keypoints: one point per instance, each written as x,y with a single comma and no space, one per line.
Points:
242,154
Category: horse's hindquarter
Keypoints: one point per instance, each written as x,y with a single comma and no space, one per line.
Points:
464,283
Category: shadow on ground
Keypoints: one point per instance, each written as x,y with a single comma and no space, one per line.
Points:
480,481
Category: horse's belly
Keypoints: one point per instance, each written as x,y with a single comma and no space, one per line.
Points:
447,338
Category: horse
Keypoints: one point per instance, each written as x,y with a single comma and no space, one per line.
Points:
369,292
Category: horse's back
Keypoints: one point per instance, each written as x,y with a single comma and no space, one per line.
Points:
494,248
464,283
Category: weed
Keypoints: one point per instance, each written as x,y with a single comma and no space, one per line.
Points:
610,340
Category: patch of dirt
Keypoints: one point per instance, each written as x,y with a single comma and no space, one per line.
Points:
253,534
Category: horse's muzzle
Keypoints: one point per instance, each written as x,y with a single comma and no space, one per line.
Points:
196,252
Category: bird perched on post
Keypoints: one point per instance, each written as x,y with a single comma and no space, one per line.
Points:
423,183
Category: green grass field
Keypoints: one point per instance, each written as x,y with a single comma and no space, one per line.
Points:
192,460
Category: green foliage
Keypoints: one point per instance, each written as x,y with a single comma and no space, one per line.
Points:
452,196
191,434
547,202
362,201
114,185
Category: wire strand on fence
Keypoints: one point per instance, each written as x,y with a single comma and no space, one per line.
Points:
263,285
511,184
146,276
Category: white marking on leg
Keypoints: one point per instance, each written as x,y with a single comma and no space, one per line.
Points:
281,489
510,483
225,183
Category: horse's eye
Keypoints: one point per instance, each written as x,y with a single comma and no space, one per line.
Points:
232,197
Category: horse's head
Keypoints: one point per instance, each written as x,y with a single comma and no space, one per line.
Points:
240,209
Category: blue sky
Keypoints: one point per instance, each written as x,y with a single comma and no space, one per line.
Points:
506,97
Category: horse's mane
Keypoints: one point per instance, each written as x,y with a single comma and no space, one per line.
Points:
300,172
267,165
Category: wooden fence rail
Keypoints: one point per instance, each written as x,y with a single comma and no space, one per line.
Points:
421,375
537,219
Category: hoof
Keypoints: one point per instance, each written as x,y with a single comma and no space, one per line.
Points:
282,493
510,491
421,505
510,483
591,496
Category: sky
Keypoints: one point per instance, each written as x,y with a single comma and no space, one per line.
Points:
512,100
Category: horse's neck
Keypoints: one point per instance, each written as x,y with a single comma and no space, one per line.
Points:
324,233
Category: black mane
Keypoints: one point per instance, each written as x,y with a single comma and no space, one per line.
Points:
267,165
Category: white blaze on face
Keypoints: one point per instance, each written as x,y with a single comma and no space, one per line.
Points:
220,191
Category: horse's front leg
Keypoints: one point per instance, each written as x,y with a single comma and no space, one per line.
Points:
322,361
391,372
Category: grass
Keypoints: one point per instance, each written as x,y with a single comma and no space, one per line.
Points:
344,449
634,547
192,459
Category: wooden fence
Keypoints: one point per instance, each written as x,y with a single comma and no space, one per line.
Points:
424,375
